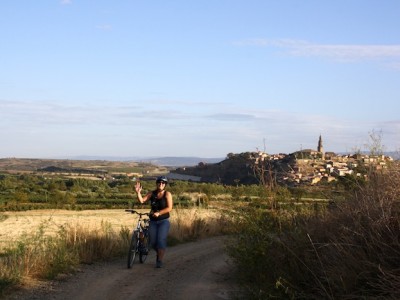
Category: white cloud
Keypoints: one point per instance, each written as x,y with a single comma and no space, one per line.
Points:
66,2
339,52
231,117
76,128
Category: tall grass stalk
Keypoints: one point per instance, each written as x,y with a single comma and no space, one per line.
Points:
41,256
195,223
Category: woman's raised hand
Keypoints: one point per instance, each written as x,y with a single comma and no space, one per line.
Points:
138,187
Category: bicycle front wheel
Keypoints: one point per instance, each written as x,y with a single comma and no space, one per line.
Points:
144,248
133,249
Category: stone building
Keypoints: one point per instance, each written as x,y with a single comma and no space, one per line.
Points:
320,148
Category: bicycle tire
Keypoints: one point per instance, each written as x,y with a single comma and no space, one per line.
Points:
144,248
133,249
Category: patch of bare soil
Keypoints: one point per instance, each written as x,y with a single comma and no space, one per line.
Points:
196,270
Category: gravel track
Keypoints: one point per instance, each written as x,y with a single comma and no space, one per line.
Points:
196,270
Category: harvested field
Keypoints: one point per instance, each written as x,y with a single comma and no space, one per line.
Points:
14,225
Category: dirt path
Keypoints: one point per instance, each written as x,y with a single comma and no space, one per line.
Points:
197,270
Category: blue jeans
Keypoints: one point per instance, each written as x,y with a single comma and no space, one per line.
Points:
158,234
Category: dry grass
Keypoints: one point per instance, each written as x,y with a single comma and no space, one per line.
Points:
42,244
14,225
349,252
193,223
363,249
17,224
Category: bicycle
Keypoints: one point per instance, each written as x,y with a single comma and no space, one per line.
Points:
140,239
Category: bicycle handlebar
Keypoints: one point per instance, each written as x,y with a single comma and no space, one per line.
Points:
132,211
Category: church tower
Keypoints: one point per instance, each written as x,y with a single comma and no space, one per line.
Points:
320,148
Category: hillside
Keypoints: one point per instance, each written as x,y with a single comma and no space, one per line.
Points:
305,167
236,169
177,161
30,165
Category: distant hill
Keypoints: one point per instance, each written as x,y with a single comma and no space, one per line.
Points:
180,161
72,165
232,170
168,161
104,162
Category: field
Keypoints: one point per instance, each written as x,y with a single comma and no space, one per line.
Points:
15,225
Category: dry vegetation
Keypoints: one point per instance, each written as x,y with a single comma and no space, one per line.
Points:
42,244
350,251
15,225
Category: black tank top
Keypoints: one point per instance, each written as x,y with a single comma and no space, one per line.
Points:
157,205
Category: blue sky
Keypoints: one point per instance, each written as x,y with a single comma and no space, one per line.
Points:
197,78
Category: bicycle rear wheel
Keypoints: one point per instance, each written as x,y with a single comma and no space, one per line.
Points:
133,249
144,248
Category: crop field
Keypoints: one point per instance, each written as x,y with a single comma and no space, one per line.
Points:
15,225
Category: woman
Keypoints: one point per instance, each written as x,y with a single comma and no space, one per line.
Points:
161,205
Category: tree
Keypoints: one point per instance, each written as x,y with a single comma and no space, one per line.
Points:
374,145
264,171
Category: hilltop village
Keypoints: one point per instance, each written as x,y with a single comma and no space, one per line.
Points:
304,167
